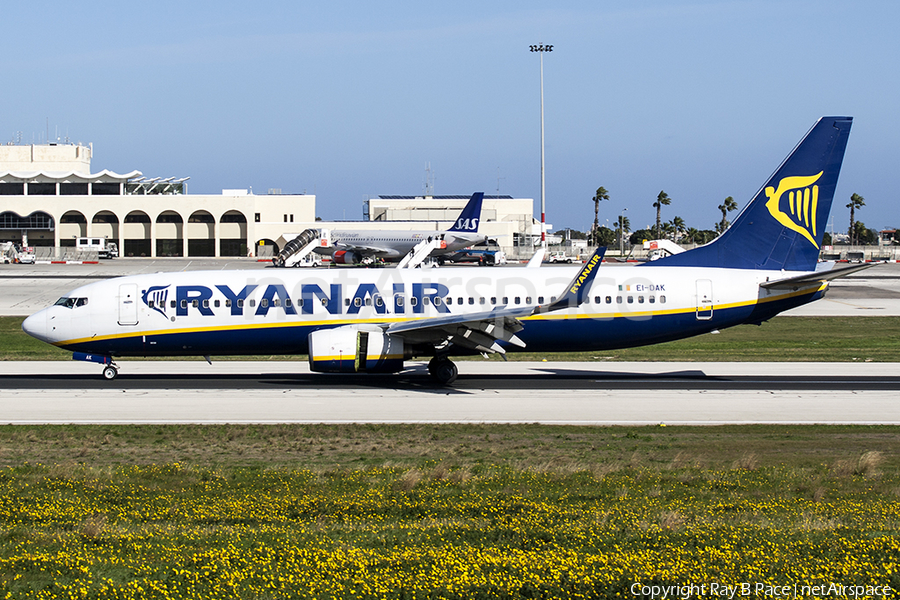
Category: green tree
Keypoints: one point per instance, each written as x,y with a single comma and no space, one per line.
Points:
604,236
678,226
863,235
600,195
691,235
856,201
623,226
726,207
661,200
640,235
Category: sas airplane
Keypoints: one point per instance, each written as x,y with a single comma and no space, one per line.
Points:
356,246
371,320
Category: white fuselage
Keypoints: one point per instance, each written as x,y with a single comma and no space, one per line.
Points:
396,244
273,311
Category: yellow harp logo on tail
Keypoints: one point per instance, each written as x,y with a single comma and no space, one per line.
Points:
802,205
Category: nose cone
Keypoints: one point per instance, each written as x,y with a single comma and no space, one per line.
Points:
36,326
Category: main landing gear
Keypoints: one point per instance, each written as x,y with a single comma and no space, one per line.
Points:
443,370
110,372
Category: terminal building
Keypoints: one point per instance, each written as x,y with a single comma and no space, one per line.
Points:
49,197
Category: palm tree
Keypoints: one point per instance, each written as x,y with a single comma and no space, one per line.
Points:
678,224
622,228
856,201
601,194
668,230
690,235
661,200
727,206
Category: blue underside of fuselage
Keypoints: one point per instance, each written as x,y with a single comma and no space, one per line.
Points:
540,335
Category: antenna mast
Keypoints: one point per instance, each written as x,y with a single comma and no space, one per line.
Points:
429,180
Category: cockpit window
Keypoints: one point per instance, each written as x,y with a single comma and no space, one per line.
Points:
71,302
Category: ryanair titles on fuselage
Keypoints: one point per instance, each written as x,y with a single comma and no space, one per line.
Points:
172,301
276,296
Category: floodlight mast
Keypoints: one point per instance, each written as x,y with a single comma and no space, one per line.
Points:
540,49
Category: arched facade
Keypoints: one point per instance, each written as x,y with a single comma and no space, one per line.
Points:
137,233
105,223
169,234
37,228
47,202
201,234
233,234
266,248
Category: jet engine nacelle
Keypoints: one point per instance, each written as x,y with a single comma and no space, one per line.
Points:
353,349
346,257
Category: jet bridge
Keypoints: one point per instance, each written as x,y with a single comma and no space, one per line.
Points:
297,249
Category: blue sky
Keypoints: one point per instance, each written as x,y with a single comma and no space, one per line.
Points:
349,100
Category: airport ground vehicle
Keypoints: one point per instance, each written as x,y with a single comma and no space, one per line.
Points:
8,253
26,256
559,257
104,248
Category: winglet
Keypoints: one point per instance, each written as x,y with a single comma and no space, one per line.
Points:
579,285
468,219
536,259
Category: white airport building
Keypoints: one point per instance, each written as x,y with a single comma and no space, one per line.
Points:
49,198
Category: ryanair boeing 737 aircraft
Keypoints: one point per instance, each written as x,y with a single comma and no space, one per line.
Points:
362,320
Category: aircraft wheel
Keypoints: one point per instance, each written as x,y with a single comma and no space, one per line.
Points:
110,373
443,370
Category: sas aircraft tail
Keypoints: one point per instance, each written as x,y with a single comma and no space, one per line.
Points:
783,225
470,217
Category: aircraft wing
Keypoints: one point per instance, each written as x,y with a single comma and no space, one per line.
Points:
817,277
484,330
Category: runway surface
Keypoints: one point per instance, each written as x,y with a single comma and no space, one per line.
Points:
486,392
584,393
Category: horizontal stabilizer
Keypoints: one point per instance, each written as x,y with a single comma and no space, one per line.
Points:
818,277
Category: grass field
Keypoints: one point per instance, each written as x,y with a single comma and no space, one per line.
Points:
445,511
840,339
463,511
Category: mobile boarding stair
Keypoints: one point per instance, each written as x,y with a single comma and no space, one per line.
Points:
297,249
421,251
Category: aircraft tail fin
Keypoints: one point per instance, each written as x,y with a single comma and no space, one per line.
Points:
782,227
470,217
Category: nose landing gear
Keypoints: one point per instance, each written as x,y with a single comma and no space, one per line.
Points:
110,372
